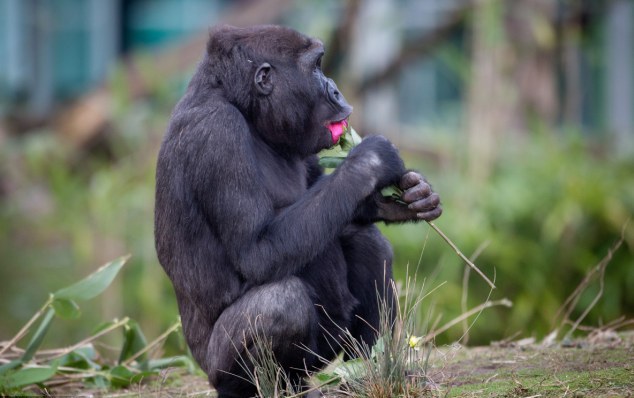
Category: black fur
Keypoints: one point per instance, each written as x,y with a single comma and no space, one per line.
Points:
247,225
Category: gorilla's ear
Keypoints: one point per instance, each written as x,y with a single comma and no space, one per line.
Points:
263,80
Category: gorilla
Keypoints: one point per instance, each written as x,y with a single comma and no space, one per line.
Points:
247,225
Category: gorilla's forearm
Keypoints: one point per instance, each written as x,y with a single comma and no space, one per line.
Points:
299,232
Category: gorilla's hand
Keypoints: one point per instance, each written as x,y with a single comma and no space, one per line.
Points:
422,203
379,158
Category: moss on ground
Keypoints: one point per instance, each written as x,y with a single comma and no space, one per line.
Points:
584,370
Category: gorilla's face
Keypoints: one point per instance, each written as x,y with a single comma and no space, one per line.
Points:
297,102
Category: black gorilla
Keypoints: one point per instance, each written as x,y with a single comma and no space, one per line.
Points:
247,224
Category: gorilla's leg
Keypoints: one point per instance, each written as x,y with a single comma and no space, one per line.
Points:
281,312
369,258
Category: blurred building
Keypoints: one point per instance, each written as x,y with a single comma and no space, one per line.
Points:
55,50
52,51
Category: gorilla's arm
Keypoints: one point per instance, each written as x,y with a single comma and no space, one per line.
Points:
421,202
265,244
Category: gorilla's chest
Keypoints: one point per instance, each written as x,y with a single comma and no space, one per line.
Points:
283,181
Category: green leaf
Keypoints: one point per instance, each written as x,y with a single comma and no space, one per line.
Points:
352,369
392,191
38,336
81,358
327,379
26,376
176,361
349,140
330,162
134,341
378,348
120,376
335,152
9,366
99,381
94,283
67,309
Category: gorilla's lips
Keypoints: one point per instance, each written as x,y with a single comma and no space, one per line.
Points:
337,129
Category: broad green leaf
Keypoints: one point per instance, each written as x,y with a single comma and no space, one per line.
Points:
67,309
26,376
134,341
38,336
141,376
349,140
330,162
334,151
94,283
9,366
177,361
352,369
100,382
378,348
81,358
393,192
120,376
327,378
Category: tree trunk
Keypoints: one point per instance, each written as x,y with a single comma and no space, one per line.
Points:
512,87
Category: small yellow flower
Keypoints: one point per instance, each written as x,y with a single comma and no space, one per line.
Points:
413,341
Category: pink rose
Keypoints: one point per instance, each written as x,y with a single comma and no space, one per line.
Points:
337,129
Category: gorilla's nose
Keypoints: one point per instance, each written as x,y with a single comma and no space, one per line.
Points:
335,96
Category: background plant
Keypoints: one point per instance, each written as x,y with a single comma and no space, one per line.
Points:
81,361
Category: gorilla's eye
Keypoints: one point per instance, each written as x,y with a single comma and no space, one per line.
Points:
318,62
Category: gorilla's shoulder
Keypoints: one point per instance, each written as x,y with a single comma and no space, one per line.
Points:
210,119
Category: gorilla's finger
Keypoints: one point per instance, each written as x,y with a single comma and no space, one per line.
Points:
418,192
428,203
410,179
430,215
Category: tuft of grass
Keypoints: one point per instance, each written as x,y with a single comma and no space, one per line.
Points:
397,365
262,368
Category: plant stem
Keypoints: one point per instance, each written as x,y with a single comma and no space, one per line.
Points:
87,340
25,328
145,349
459,253
505,302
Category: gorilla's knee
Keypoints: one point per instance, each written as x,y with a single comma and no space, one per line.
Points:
286,309
280,312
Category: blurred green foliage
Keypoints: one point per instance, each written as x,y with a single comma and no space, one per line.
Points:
547,215
66,212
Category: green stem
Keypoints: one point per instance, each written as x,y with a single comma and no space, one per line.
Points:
145,349
27,326
87,340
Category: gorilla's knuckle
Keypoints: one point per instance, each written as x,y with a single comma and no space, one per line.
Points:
410,179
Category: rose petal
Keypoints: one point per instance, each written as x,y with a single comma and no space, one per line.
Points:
337,129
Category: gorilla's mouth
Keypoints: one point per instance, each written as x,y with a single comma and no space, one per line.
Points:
337,129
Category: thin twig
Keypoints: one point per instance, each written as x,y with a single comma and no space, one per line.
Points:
459,253
465,290
145,349
87,340
505,302
572,300
601,268
25,328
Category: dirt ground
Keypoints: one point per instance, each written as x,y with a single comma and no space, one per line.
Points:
601,365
